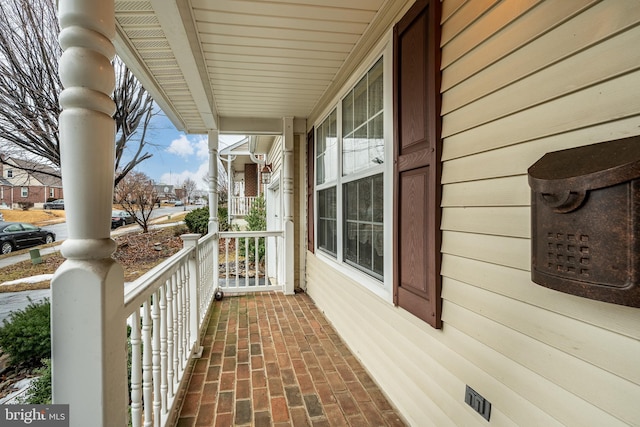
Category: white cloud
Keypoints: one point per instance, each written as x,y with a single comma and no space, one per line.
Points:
202,148
177,178
181,147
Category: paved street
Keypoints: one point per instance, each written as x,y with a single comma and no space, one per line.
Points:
10,301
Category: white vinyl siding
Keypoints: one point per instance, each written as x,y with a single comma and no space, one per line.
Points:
519,79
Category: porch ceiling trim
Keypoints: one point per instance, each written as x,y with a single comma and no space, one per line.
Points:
241,67
184,43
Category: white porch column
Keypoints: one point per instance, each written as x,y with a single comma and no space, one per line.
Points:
88,325
287,183
213,182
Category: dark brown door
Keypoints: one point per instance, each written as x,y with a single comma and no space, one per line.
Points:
417,168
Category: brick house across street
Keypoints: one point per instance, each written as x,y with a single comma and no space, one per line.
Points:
25,182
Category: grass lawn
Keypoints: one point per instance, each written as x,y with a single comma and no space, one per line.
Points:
37,217
137,252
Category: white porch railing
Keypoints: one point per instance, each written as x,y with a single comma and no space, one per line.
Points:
239,271
166,309
240,206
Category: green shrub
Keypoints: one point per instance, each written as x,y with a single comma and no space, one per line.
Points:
223,215
39,391
26,335
256,221
198,220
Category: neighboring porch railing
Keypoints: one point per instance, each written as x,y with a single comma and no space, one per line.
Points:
166,309
239,271
240,206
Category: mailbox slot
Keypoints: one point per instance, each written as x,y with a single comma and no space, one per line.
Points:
585,221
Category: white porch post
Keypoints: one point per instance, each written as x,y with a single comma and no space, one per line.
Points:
287,183
88,324
213,182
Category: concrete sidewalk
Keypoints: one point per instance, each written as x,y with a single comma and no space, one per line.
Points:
13,259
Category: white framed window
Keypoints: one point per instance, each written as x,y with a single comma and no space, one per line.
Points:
9,173
24,191
350,190
326,174
52,192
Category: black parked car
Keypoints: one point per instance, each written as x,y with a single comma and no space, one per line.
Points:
120,218
56,204
18,235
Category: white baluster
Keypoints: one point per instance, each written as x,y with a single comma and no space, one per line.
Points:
170,342
246,262
185,311
155,346
136,371
237,260
226,260
174,322
179,318
164,359
257,242
147,378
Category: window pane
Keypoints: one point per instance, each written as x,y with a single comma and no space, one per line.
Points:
378,250
347,114
363,123
327,236
378,199
375,89
348,155
327,150
364,245
360,114
376,140
351,201
363,224
351,242
364,200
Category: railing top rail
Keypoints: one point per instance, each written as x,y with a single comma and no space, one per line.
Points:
205,238
144,286
275,233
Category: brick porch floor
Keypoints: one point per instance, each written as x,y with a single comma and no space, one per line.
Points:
274,360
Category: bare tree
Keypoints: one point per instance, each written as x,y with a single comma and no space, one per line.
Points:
30,86
138,197
222,185
189,186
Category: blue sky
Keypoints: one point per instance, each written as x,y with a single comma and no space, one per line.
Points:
176,155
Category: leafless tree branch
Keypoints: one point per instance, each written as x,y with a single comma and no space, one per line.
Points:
30,86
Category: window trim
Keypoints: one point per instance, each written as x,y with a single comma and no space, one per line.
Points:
382,288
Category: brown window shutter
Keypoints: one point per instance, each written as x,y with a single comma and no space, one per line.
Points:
417,167
311,154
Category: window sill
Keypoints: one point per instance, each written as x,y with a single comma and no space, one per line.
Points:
367,282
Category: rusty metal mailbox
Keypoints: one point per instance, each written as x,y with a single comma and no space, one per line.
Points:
585,221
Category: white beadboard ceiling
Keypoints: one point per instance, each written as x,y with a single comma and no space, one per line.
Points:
240,65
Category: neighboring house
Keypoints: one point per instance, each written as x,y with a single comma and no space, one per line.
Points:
165,191
406,132
24,182
244,163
